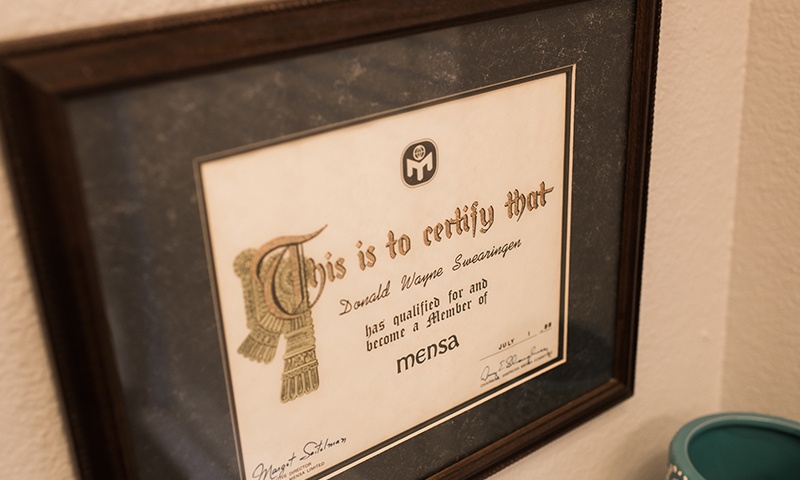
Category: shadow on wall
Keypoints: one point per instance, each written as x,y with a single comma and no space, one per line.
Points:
637,460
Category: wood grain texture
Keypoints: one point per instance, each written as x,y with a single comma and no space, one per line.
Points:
184,45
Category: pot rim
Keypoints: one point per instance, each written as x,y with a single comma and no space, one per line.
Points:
679,447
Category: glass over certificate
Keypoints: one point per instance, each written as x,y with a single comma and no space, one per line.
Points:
376,278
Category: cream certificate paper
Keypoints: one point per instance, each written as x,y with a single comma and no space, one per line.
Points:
380,277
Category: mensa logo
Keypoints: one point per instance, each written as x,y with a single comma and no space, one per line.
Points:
420,161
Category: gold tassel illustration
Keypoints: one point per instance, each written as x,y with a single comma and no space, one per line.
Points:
265,329
274,283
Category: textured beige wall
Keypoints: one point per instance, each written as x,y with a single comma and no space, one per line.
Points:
33,440
762,356
687,257
32,437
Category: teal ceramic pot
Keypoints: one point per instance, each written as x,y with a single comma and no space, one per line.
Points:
736,446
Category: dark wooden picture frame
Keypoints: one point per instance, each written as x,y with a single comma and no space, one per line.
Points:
49,91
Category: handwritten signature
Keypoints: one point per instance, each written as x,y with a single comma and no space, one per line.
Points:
313,448
289,468
489,374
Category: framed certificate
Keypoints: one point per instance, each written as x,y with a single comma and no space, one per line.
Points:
340,239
